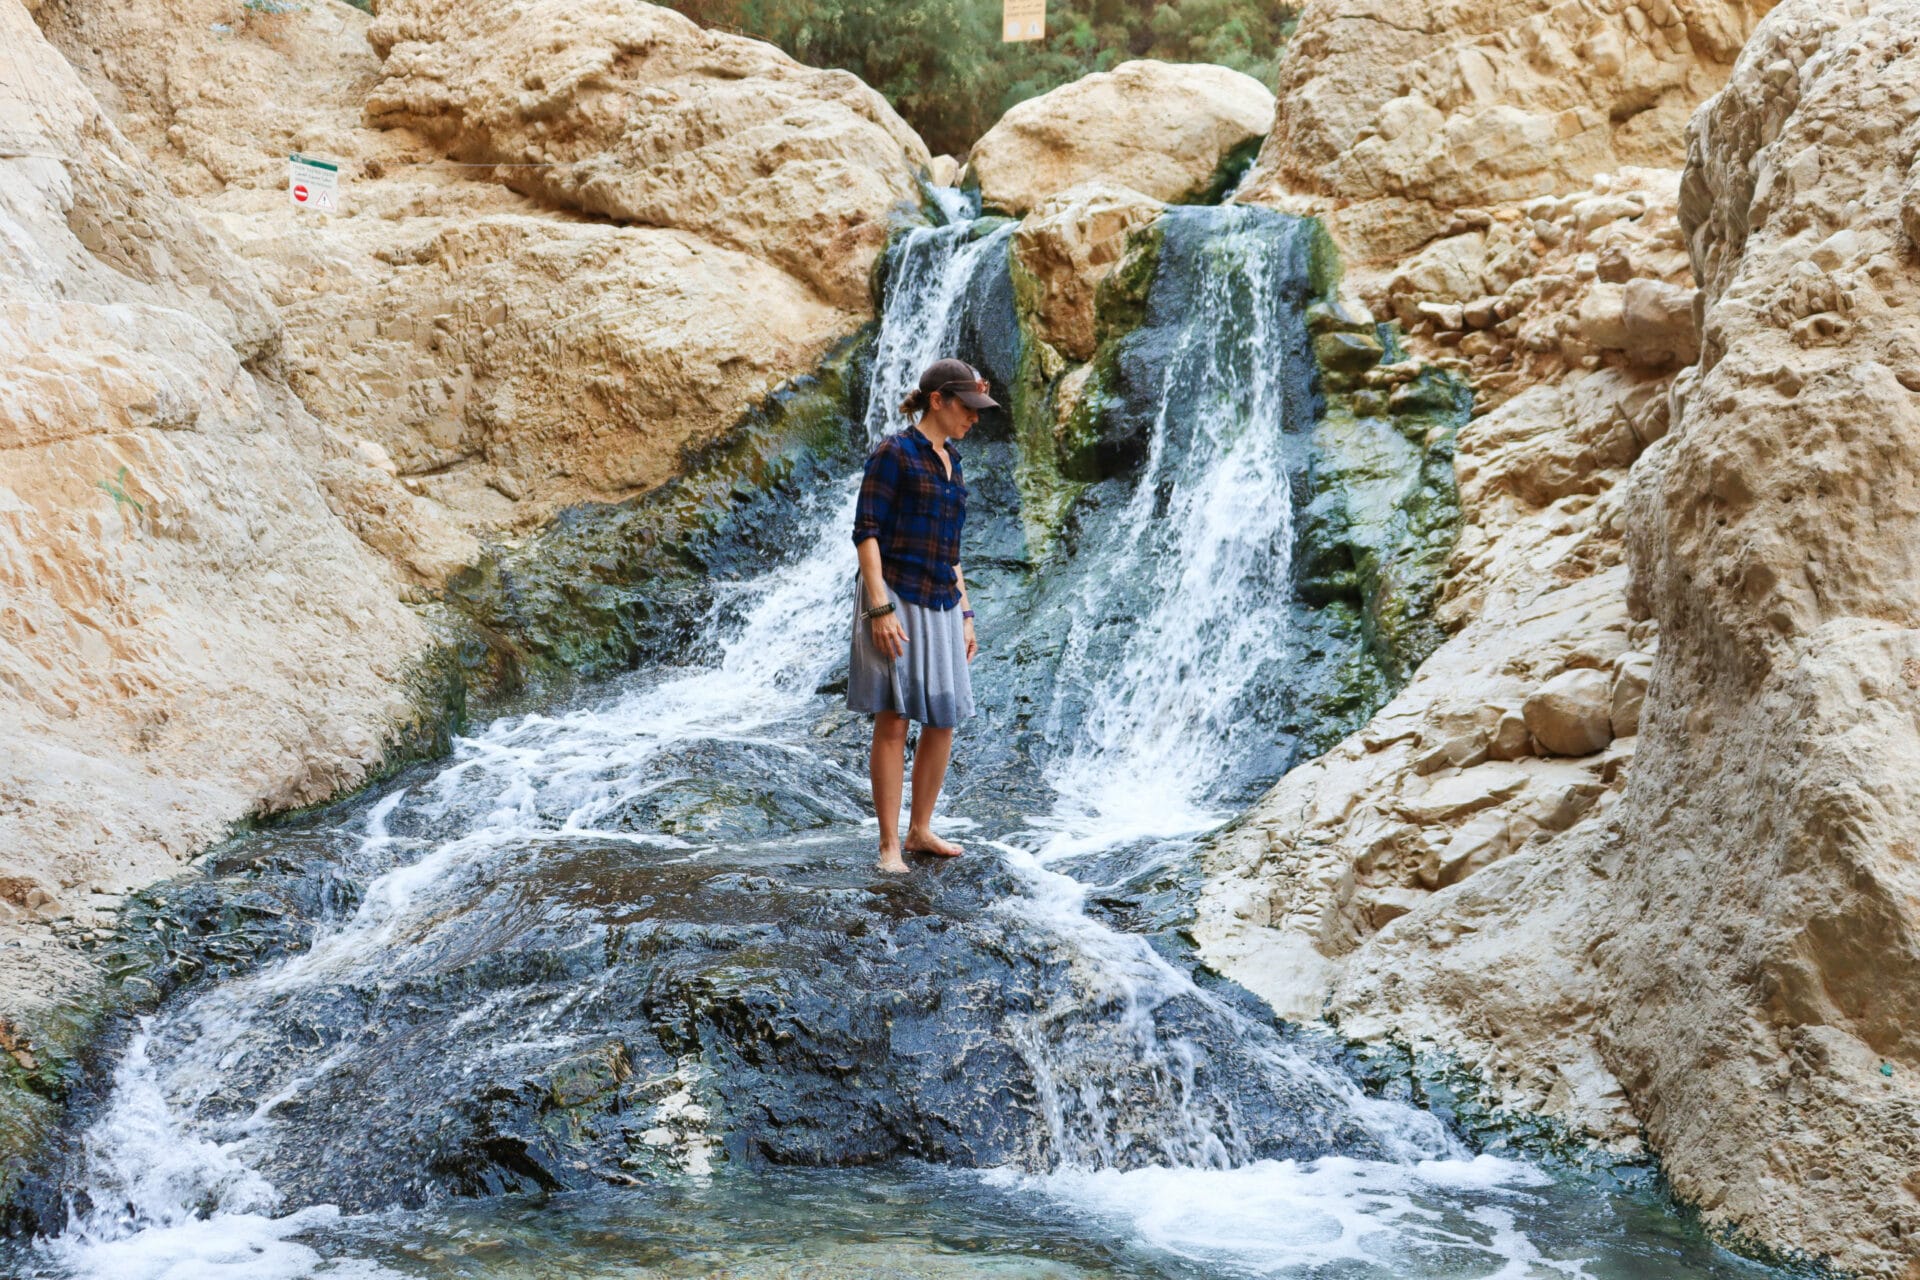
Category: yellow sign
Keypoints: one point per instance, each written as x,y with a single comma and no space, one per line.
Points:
1023,20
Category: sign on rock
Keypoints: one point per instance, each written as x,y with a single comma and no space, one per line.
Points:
1023,20
313,184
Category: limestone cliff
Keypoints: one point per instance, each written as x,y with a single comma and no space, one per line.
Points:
1395,116
1714,948
576,240
191,632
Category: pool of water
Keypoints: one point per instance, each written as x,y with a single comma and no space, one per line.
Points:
1331,1219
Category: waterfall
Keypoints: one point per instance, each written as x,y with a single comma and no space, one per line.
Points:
931,269
1212,513
570,933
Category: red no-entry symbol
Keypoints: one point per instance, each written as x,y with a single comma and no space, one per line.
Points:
300,194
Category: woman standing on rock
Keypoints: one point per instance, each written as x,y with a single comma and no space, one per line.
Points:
912,626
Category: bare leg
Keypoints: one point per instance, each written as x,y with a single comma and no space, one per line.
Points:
929,774
885,765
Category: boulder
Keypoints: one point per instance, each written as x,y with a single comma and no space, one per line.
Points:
1162,128
1510,738
1570,715
1631,675
509,355
1393,116
633,112
1659,323
1066,246
518,363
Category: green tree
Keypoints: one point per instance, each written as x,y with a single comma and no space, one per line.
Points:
943,67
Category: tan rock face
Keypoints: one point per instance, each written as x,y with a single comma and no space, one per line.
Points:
1160,128
1067,245
632,111
508,356
511,364
1779,545
1515,296
1395,115
1728,949
191,630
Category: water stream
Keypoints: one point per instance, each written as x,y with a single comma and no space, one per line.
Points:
613,990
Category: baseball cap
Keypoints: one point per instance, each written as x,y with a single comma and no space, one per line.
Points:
960,379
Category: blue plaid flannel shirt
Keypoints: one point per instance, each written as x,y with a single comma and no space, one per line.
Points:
913,509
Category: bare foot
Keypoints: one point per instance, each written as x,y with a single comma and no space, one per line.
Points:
891,862
924,841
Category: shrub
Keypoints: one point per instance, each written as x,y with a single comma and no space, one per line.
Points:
942,65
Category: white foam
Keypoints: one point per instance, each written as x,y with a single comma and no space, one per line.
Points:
1283,1217
228,1246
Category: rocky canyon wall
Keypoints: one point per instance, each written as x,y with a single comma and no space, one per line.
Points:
1635,842
577,239
191,630
1394,117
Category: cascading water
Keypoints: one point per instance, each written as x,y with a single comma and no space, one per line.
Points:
634,942
1213,509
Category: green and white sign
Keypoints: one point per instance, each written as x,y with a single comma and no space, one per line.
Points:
313,184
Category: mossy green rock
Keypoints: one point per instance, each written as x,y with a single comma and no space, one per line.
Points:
1383,515
1343,355
604,583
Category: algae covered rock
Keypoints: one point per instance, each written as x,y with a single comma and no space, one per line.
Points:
1383,505
1068,245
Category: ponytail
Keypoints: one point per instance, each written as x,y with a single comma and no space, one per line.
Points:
915,403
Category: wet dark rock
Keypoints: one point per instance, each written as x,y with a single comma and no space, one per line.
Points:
529,1035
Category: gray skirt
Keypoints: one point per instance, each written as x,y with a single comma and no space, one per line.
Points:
929,682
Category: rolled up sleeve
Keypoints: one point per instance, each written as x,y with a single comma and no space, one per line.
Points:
879,490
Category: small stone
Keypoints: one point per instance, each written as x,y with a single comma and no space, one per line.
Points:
1381,906
1571,714
1631,675
1483,839
1510,740
1428,395
1347,353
